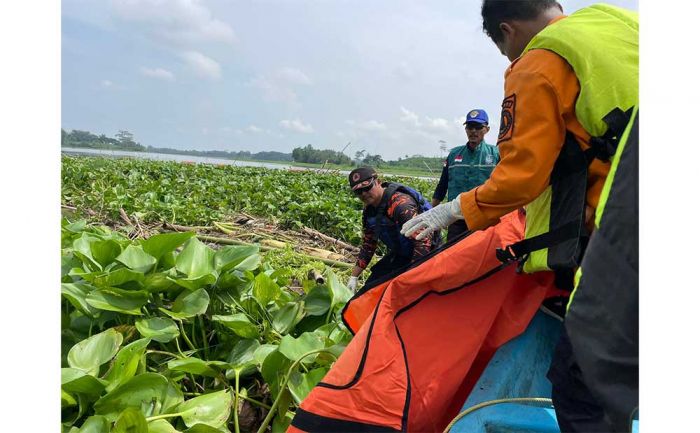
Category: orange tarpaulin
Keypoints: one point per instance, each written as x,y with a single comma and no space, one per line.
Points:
423,338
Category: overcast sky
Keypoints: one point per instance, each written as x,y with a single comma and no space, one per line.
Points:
391,77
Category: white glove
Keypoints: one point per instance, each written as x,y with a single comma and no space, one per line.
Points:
435,219
352,283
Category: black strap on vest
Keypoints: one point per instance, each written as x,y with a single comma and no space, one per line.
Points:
522,248
604,147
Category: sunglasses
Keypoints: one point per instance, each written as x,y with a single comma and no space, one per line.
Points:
477,126
360,191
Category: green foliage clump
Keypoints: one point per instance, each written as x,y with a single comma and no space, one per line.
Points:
198,194
167,334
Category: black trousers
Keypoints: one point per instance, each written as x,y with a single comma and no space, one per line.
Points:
576,408
385,266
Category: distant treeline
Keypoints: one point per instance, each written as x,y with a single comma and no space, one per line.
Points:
223,154
318,156
124,140
418,162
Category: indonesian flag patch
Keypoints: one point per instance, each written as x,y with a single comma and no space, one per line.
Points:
458,158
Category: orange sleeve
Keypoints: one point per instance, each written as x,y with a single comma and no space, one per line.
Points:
540,96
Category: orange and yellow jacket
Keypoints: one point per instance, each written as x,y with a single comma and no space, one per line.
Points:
539,108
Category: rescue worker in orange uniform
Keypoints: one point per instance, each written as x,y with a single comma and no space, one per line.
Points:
540,119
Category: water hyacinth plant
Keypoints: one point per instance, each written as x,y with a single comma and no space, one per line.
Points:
167,334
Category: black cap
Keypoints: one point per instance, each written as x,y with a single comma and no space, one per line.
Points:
361,177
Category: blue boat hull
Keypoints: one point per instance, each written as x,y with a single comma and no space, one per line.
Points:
518,369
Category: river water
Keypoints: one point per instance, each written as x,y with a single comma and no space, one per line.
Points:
190,158
170,157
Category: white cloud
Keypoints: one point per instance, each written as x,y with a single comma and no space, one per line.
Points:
280,86
106,83
404,71
272,91
408,116
368,125
297,126
254,129
158,73
436,124
202,65
175,21
294,76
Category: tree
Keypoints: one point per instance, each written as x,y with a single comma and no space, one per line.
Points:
359,155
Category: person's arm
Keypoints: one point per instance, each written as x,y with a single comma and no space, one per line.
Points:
441,189
530,144
402,208
369,246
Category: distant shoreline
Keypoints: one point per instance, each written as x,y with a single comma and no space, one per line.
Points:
396,171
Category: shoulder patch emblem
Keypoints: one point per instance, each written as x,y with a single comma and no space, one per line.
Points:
505,132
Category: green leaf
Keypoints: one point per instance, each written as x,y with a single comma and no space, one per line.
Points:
284,400
78,381
150,392
67,400
286,317
119,300
89,354
341,294
76,227
210,409
294,348
280,425
195,260
238,323
134,257
242,358
189,304
231,256
273,368
301,384
160,244
161,329
262,352
265,289
126,363
76,293
161,426
203,428
157,282
196,283
250,263
318,301
119,277
95,424
243,353
82,250
192,365
105,251
131,420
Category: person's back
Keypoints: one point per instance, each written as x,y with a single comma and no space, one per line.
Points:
569,94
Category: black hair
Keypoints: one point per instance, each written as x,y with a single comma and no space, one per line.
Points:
494,12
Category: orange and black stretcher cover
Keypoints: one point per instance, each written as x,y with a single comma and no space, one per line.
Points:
423,337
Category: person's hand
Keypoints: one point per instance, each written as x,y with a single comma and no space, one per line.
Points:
435,219
352,283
